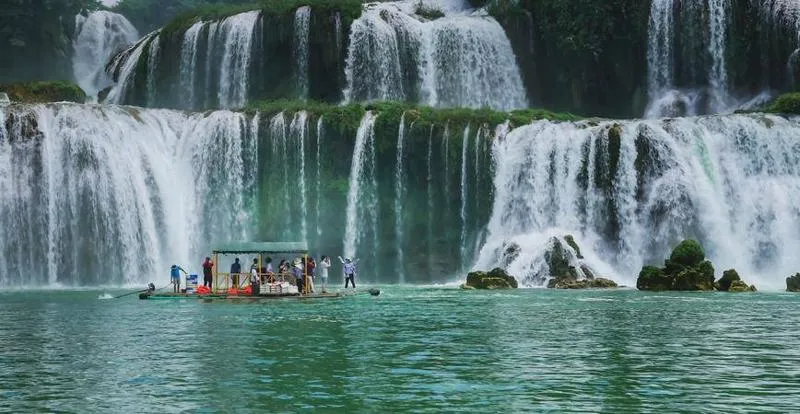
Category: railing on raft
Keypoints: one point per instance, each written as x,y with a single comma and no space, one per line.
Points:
227,280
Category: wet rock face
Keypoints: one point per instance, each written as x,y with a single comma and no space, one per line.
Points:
793,283
686,269
495,279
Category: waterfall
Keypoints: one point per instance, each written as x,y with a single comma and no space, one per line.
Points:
629,191
281,204
337,28
188,62
429,194
318,192
660,58
299,130
718,77
212,35
358,204
400,196
457,60
140,188
237,37
153,56
301,28
99,36
463,213
127,70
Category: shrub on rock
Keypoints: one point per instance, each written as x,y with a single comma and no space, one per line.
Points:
686,269
687,253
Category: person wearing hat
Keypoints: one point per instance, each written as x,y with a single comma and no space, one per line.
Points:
175,277
349,268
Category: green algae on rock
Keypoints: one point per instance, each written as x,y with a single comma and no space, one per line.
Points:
686,270
44,91
497,278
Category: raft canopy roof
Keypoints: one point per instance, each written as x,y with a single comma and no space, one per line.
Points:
261,247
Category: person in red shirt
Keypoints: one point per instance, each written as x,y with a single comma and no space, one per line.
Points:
208,278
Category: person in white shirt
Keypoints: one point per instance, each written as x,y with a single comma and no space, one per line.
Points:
324,264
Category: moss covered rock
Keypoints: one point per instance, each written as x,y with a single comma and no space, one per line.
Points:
741,286
686,269
788,103
687,253
653,278
571,242
731,282
793,283
497,278
40,92
597,283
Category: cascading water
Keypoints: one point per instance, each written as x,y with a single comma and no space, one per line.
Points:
457,60
318,192
189,61
90,185
153,55
359,195
299,130
127,73
463,212
660,59
629,191
718,76
100,35
237,32
400,197
301,27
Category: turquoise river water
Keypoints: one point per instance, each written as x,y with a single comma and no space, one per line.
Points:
426,350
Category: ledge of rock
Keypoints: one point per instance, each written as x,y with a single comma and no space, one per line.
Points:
497,278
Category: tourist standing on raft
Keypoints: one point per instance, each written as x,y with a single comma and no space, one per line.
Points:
236,269
349,268
175,277
297,271
208,277
325,264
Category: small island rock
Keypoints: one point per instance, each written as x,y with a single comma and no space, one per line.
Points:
497,278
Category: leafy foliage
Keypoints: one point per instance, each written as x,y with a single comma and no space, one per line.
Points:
38,92
788,103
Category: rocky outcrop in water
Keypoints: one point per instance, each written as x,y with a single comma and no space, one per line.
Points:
686,269
497,278
793,283
731,282
566,269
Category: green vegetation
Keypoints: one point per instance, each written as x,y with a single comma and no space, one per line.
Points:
428,12
349,116
788,103
48,91
349,9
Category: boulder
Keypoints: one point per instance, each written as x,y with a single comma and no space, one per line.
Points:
598,283
497,278
741,286
728,277
653,278
686,269
793,283
700,277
